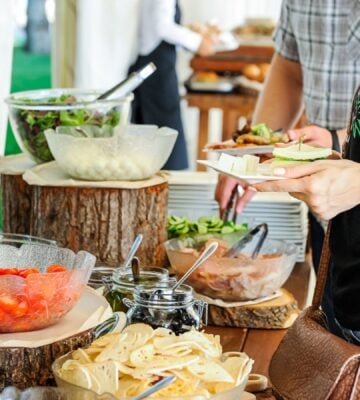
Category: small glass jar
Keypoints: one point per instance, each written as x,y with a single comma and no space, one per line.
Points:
122,284
162,307
99,276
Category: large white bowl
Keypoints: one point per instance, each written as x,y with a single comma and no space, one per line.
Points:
232,394
32,112
134,152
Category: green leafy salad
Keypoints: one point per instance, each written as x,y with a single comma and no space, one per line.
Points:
31,123
195,234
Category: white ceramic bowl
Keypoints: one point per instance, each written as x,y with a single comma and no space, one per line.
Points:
232,394
134,152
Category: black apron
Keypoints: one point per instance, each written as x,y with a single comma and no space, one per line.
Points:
157,99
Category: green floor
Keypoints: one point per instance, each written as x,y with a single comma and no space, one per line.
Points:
30,71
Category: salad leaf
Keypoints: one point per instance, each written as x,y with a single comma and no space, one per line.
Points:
31,124
262,130
182,226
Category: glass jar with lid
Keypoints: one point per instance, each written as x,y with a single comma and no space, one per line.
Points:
121,284
100,274
162,307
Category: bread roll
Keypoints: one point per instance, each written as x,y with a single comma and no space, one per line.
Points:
252,71
206,76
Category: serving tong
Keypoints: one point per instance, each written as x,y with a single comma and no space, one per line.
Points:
240,244
231,207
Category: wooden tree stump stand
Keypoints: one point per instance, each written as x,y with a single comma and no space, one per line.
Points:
103,221
24,367
16,202
277,313
15,194
102,218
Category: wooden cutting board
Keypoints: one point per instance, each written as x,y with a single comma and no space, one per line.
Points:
277,313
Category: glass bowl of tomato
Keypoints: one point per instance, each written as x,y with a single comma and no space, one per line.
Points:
39,283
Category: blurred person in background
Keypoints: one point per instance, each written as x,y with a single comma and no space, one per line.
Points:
317,63
157,100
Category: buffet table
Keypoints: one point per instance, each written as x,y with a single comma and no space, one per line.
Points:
260,344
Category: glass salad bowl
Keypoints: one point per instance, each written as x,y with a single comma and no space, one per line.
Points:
32,112
132,152
39,283
234,279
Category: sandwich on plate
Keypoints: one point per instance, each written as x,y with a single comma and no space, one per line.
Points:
298,154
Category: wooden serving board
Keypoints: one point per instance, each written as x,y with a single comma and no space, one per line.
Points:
277,313
25,367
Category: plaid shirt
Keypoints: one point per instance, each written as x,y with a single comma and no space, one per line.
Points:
324,37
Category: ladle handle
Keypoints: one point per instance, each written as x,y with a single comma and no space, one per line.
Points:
133,250
204,256
159,385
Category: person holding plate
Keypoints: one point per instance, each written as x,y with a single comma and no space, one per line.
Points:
317,63
331,188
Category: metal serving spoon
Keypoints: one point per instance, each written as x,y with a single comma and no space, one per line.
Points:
133,250
158,386
203,257
135,269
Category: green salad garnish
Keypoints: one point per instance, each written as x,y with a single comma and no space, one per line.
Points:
31,124
182,226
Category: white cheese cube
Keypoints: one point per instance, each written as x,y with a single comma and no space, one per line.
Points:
226,162
252,163
239,166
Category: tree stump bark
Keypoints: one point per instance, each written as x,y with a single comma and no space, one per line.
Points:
16,201
25,367
103,221
273,314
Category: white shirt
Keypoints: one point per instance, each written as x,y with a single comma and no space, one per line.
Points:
106,51
157,24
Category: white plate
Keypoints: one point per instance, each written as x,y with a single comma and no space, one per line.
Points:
240,151
91,310
218,86
262,176
185,179
227,42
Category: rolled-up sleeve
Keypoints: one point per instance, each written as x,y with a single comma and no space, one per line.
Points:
169,30
284,38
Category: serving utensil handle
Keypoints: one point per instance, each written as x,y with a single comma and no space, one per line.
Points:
204,256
